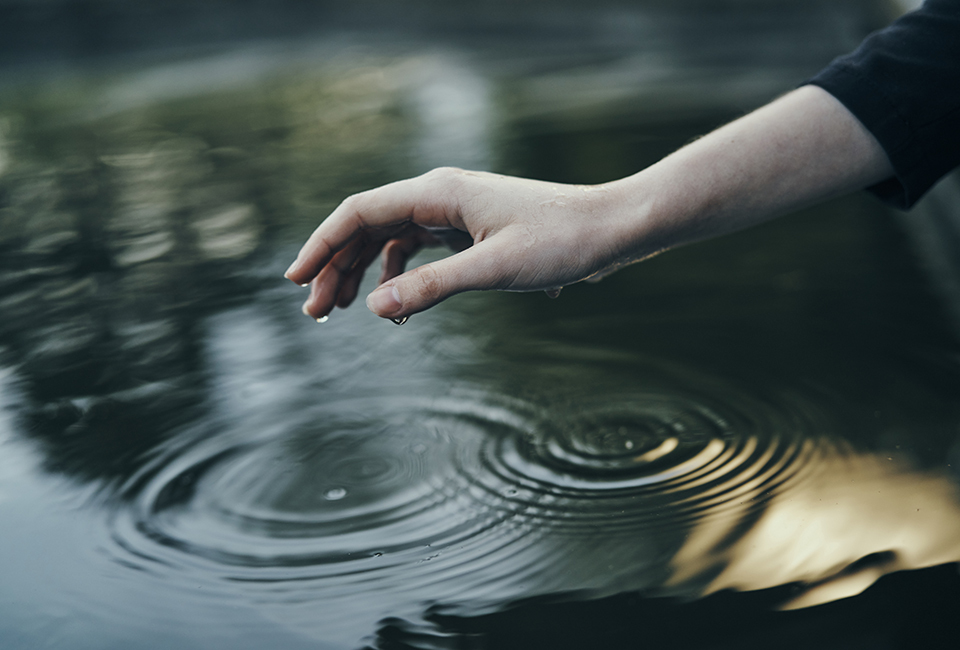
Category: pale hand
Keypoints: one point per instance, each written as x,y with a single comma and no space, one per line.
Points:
516,235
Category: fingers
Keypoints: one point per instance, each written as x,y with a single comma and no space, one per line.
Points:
326,287
396,252
422,200
351,283
339,282
477,267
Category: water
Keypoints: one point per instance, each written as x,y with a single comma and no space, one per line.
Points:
695,451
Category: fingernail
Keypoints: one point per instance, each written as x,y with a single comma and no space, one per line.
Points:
384,300
304,310
290,269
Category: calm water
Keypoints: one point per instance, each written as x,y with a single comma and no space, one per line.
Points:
747,443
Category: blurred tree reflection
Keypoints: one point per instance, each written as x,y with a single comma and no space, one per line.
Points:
120,234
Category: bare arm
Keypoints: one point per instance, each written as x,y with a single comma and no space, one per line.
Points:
531,235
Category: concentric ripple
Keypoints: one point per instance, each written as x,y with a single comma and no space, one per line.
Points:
399,498
361,479
625,460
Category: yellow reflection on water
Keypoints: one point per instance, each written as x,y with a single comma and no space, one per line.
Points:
846,520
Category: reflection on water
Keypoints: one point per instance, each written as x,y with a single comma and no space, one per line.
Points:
186,461
627,475
855,518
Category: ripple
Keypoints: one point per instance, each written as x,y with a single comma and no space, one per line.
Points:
399,498
636,457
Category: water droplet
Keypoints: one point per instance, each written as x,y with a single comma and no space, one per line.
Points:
628,444
323,319
401,320
305,285
378,554
334,494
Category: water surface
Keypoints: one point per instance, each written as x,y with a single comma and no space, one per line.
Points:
186,460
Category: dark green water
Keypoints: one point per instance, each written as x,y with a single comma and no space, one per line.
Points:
673,456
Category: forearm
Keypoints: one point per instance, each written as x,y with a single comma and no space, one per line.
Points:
800,149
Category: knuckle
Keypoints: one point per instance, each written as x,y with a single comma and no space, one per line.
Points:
354,206
444,174
350,205
446,179
351,201
355,201
429,283
448,188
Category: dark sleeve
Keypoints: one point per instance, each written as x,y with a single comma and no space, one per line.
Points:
903,84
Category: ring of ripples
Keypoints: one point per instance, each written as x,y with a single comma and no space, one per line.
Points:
366,492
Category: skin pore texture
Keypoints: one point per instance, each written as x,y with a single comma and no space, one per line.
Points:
517,234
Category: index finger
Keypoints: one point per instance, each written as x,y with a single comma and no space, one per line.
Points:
391,205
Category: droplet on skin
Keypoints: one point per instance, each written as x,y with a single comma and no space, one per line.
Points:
305,285
334,494
401,320
323,319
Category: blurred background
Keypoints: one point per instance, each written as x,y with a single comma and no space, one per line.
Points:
186,460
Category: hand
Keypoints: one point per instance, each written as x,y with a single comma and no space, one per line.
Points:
510,233
527,235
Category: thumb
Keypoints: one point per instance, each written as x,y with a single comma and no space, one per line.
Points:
425,286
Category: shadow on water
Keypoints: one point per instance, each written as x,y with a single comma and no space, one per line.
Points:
901,611
744,443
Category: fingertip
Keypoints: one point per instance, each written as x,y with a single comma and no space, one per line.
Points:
385,301
297,276
321,318
314,306
305,308
296,272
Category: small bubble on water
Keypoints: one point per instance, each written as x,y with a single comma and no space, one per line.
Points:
628,444
378,554
334,494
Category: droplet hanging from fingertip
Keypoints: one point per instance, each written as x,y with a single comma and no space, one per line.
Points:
401,320
323,319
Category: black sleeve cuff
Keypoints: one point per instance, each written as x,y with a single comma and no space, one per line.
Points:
903,84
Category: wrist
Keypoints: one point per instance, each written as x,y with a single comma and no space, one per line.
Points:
637,217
